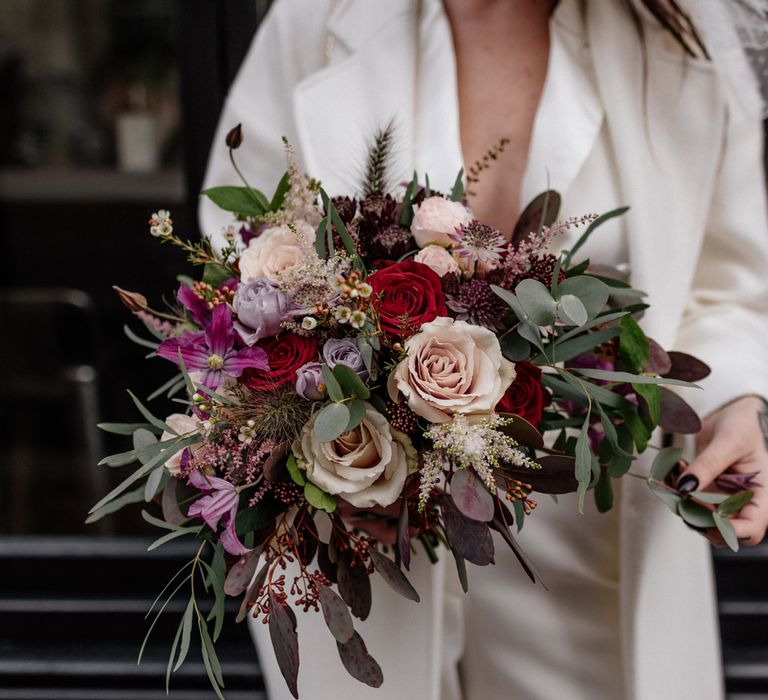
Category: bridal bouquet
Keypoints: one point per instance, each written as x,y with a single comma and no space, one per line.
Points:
384,363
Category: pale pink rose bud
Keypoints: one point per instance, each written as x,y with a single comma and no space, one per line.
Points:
438,259
435,218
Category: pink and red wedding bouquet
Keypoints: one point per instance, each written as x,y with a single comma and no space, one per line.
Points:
384,363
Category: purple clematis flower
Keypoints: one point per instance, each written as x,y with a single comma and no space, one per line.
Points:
219,505
212,351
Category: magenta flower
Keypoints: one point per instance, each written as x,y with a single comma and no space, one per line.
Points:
212,351
196,305
219,505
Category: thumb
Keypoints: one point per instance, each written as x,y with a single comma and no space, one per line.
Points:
711,462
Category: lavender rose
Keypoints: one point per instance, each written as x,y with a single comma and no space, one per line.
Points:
437,217
452,367
309,377
345,352
261,307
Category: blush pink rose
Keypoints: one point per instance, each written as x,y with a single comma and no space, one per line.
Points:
435,218
452,367
438,259
277,250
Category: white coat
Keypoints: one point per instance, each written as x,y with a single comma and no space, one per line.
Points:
697,235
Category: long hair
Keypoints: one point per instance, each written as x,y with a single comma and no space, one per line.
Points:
676,21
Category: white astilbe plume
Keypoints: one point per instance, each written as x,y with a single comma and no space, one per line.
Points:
300,203
460,444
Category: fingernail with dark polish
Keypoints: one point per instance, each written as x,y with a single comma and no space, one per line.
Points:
687,484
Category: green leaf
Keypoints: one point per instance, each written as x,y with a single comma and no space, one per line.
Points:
320,248
125,428
297,474
351,385
135,496
628,378
572,311
564,351
619,464
280,191
210,659
186,634
215,275
604,492
331,421
570,387
241,200
407,214
332,385
577,270
168,536
694,513
591,229
152,345
318,498
634,349
156,422
217,571
510,299
637,428
583,464
664,461
341,229
726,530
592,293
652,397
514,347
154,483
669,498
172,386
537,302
735,503
356,413
706,497
171,656
458,187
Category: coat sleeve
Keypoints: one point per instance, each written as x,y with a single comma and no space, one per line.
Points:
289,45
726,321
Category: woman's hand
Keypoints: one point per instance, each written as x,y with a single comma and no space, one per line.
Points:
734,438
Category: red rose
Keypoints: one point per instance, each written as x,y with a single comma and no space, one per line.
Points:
525,397
407,294
286,353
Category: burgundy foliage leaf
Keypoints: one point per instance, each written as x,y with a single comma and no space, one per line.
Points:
555,476
535,215
354,586
468,538
274,468
404,536
306,540
285,641
391,573
502,522
686,367
659,361
359,663
461,570
471,496
241,573
324,562
336,614
676,415
252,592
521,430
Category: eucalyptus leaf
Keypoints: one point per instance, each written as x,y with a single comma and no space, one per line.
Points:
583,463
695,514
135,496
359,663
651,398
562,351
356,413
634,349
537,302
664,462
336,614
592,293
392,574
627,378
676,416
318,498
331,384
706,497
514,347
735,503
351,384
669,498
572,311
471,496
125,428
285,641
241,573
331,421
458,187
725,528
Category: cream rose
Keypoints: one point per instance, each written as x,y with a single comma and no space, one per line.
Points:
366,466
182,424
435,218
451,367
276,250
438,259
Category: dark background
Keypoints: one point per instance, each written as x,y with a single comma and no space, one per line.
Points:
73,222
